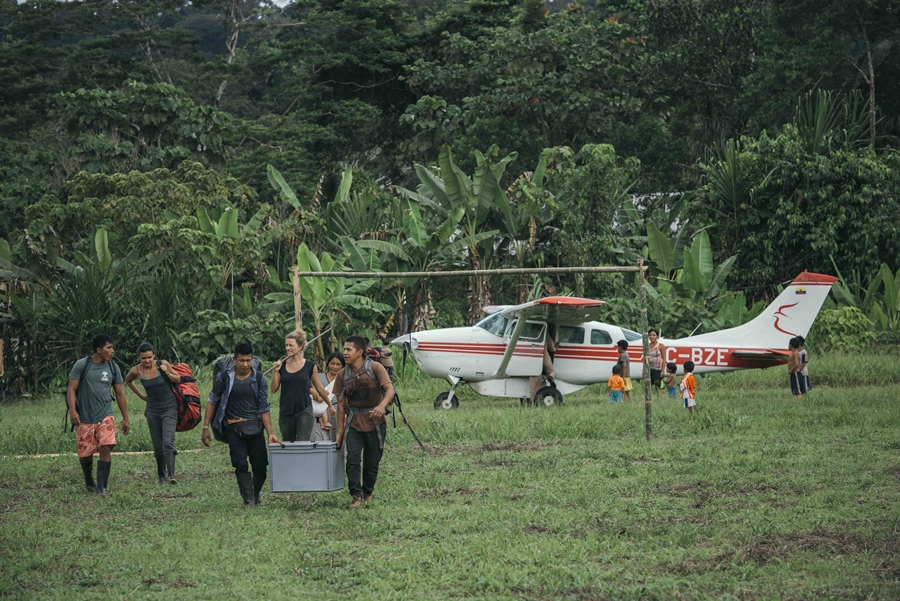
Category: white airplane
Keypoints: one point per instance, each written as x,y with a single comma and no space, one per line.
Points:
498,355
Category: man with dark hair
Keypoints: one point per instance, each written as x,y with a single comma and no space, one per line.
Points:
238,408
794,368
364,391
90,410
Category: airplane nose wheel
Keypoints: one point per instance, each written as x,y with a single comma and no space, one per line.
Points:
548,396
443,401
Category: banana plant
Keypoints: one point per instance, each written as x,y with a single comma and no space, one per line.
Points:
474,202
329,301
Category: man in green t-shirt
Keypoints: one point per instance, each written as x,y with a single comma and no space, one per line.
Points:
90,408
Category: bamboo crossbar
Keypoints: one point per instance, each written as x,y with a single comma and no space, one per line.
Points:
466,273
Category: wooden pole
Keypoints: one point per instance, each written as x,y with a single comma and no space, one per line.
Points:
645,380
298,319
465,273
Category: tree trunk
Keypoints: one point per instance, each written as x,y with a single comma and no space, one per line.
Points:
423,309
479,295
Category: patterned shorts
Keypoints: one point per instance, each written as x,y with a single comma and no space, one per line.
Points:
93,436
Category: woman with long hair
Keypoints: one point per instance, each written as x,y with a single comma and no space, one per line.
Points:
299,376
161,412
327,406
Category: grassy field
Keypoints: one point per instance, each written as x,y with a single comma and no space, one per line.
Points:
759,496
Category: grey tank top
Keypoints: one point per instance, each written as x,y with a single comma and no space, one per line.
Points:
160,398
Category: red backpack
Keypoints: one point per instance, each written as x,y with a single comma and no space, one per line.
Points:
187,395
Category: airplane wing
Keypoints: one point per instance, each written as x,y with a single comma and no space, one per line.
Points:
761,355
557,309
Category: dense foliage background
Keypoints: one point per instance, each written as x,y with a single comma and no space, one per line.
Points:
161,163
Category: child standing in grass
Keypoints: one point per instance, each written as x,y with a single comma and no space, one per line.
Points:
624,363
615,385
671,368
689,387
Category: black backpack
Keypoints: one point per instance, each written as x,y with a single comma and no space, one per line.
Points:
227,362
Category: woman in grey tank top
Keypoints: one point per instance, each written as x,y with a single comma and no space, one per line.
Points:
162,408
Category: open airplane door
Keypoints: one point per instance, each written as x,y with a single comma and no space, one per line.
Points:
528,355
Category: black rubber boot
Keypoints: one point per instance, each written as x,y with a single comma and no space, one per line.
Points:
88,469
161,469
103,477
170,468
245,485
257,487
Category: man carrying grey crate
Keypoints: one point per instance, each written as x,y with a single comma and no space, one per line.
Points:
364,391
238,409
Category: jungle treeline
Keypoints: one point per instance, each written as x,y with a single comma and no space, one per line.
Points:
164,165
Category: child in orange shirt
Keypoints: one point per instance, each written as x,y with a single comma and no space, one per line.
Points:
689,387
615,385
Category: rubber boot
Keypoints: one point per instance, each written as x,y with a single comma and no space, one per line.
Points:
170,468
245,485
88,469
257,487
161,469
103,476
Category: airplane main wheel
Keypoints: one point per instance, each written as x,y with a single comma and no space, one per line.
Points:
548,396
443,401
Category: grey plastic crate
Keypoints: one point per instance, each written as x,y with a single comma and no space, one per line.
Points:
305,467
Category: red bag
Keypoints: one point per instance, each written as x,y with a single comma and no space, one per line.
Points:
187,395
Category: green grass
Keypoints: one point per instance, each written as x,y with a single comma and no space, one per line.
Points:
759,496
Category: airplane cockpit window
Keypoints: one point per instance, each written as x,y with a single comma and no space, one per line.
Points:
570,335
495,324
631,336
600,337
532,332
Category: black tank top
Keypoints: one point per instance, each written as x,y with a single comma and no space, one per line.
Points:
295,397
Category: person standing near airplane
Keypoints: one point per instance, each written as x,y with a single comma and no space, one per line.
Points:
657,354
364,391
794,368
625,363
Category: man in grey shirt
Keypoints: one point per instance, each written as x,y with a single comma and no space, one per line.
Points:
90,409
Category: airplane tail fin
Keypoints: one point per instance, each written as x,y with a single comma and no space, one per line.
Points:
791,314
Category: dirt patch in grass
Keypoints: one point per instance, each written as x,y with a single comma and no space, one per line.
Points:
163,583
778,548
538,529
446,492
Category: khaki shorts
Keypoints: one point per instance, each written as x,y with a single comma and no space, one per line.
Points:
93,436
628,386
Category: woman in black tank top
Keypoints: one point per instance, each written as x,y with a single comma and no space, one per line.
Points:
162,408
295,415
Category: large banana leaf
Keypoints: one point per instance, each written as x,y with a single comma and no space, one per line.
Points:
357,261
690,274
702,254
717,283
385,247
455,190
434,185
101,247
228,224
206,224
312,289
415,229
343,192
660,249
278,182
255,222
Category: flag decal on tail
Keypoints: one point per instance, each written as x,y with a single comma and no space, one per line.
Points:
800,291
